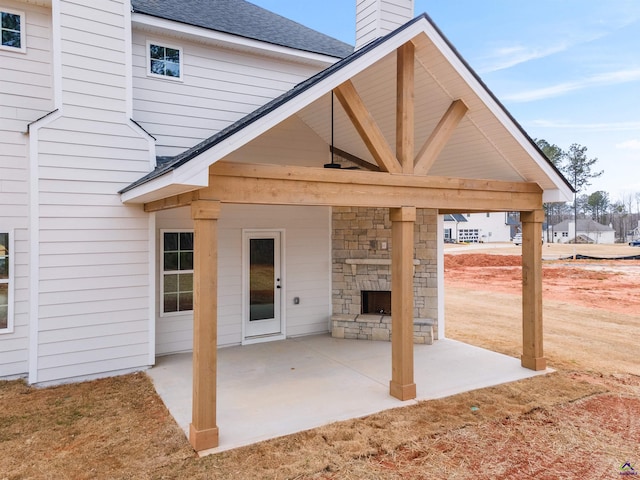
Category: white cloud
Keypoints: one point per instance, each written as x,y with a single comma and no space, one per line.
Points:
600,126
507,57
599,80
629,145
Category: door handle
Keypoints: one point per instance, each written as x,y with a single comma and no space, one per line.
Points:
278,285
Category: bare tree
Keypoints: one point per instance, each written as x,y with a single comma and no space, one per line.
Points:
578,170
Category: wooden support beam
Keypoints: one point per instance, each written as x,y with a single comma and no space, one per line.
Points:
405,123
532,349
353,159
286,185
175,201
439,137
203,430
367,127
402,384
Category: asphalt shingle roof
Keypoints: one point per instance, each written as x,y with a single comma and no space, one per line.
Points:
584,225
239,17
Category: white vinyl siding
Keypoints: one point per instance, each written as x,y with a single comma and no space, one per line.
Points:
376,18
26,94
218,87
307,274
94,272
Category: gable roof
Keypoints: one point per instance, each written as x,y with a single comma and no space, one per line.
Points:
488,144
584,225
239,17
454,217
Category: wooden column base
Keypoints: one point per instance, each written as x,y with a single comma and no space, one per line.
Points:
203,439
402,392
531,363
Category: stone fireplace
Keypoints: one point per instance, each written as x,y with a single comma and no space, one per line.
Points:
362,263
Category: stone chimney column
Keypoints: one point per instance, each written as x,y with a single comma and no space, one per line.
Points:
376,18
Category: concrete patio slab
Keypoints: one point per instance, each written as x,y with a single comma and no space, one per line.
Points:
272,389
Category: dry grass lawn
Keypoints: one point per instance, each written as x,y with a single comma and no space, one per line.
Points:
581,422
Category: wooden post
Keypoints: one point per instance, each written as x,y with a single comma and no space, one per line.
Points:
203,431
404,106
402,385
532,351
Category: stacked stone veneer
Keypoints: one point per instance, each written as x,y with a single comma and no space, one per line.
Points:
362,261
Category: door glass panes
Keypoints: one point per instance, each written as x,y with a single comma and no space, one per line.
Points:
261,278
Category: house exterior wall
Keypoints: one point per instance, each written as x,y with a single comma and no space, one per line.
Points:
91,260
84,281
218,87
307,247
28,71
480,227
566,236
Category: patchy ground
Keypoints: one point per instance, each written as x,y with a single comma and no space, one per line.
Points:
612,285
581,422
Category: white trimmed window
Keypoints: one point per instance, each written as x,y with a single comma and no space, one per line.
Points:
12,30
177,272
6,282
164,61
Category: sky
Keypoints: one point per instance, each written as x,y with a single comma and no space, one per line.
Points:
567,70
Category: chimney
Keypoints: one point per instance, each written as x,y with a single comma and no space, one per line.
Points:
376,18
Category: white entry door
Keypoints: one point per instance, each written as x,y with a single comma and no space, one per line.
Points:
262,286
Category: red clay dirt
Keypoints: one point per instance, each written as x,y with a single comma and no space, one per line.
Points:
613,285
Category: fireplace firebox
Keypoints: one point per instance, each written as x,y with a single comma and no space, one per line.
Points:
375,301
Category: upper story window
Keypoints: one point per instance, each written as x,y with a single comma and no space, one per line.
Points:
177,271
6,285
164,61
12,30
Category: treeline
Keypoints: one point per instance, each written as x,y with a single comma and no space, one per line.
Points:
623,214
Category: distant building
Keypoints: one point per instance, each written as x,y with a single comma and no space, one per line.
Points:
589,231
480,227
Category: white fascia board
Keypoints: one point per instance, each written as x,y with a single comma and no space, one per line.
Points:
557,195
228,40
493,106
164,186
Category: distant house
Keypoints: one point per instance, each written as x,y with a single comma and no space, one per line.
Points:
589,231
479,227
